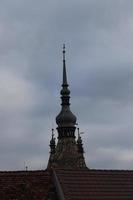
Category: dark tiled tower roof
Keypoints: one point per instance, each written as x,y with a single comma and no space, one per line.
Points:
67,154
65,120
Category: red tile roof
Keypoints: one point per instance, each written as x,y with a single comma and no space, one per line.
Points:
96,184
24,185
75,185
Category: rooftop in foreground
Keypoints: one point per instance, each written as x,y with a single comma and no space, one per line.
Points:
72,184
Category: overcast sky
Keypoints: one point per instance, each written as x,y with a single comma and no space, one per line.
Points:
99,45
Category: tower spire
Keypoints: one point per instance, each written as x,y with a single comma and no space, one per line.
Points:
67,153
66,120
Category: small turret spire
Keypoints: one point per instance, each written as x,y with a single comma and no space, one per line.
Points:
79,143
52,143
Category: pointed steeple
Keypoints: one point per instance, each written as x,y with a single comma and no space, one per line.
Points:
64,68
66,120
65,91
68,153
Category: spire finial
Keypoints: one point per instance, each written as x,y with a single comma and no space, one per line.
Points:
64,67
64,51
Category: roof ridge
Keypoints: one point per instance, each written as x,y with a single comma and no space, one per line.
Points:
24,171
98,170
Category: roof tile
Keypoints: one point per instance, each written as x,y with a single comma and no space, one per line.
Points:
96,184
24,185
